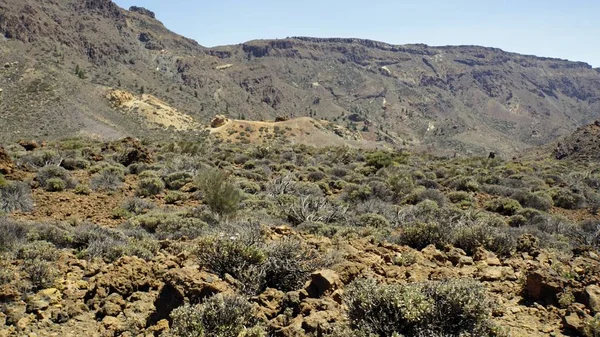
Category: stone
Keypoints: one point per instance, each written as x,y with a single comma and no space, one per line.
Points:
544,284
494,273
592,298
572,321
43,299
218,121
29,145
6,164
323,281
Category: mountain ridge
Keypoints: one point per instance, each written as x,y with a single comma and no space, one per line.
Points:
465,99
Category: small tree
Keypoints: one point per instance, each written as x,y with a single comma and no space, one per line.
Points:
221,196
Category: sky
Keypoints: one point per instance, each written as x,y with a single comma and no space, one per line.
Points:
566,29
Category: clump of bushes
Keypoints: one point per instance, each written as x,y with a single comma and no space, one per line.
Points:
218,192
218,316
55,178
504,206
109,179
150,184
177,180
15,196
453,307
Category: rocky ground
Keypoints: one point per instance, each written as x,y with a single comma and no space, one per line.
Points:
117,244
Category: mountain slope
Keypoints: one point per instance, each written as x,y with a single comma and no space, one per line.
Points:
466,99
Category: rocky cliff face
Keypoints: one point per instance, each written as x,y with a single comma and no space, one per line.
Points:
456,99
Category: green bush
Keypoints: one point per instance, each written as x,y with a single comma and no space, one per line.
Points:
466,184
381,159
12,234
230,255
150,186
539,201
568,200
169,225
109,178
173,197
55,185
460,197
15,196
460,307
288,264
453,307
373,220
40,273
219,316
55,178
177,180
221,196
504,206
385,310
82,189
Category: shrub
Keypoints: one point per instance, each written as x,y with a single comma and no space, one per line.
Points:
15,196
426,194
138,206
314,209
150,186
55,185
288,264
221,196
108,179
219,316
49,176
386,310
460,306
466,184
169,225
537,201
568,200
177,180
40,250
421,235
504,206
82,189
174,197
453,307
356,193
459,196
12,234
230,255
40,273
381,159
373,220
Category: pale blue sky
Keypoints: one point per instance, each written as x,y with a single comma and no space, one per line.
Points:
567,29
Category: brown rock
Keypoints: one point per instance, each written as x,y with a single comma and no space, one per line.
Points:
270,302
43,299
495,273
323,281
112,305
592,298
218,121
130,151
29,145
6,164
573,321
544,285
433,254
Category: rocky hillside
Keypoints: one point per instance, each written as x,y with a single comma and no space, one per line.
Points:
196,237
62,57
